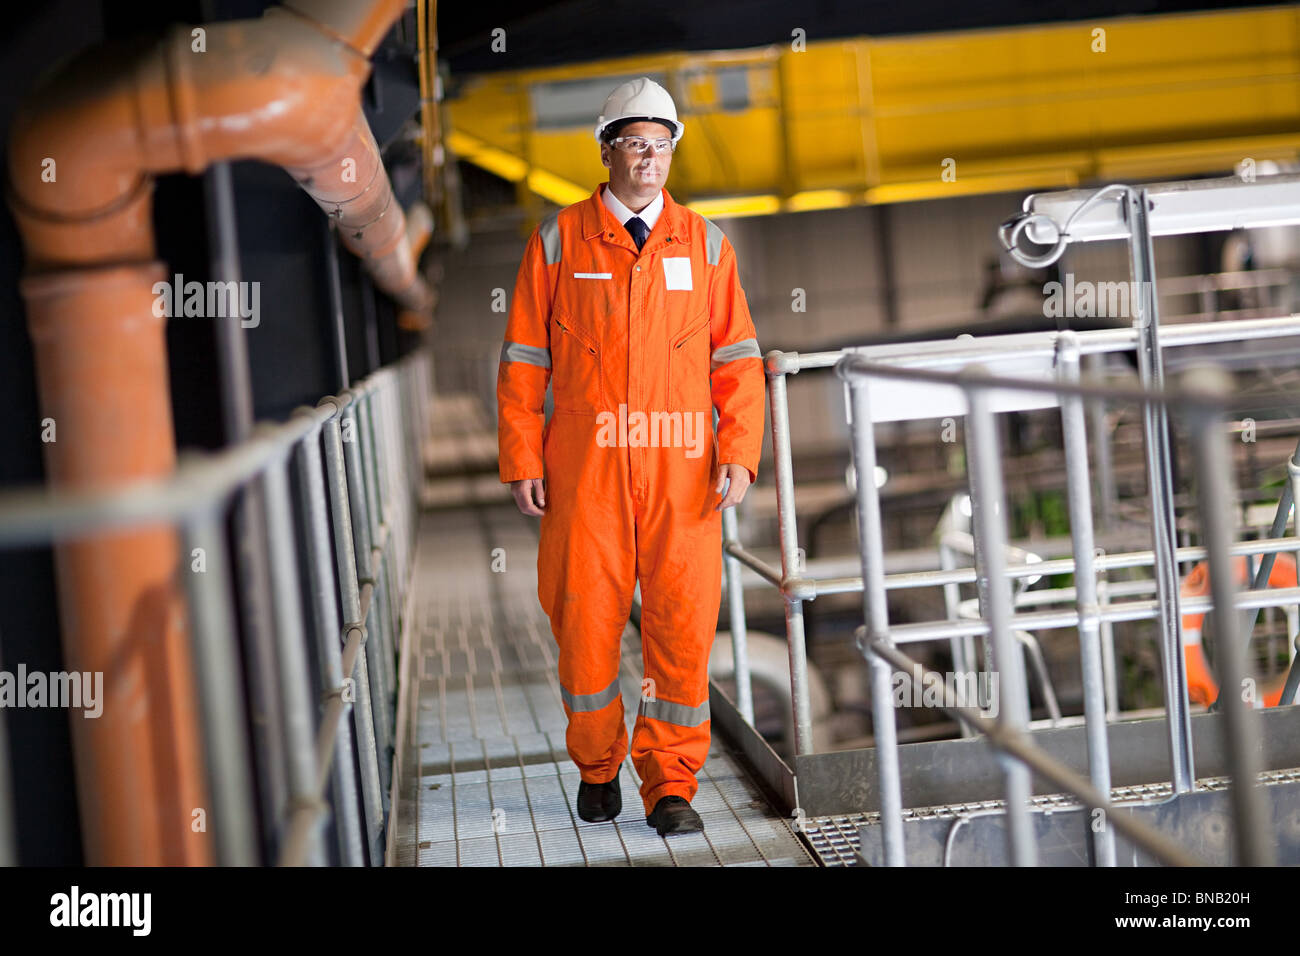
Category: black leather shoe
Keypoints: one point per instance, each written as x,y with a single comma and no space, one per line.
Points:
598,802
674,814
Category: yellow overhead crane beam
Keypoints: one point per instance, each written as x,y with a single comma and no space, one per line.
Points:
822,124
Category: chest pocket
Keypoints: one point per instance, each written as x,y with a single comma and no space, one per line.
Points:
688,367
575,360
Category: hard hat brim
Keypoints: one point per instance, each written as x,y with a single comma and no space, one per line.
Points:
674,125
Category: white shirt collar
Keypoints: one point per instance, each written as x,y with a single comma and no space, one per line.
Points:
649,215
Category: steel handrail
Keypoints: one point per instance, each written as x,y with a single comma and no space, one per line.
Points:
1203,404
369,460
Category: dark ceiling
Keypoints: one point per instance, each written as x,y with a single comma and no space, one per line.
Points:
567,31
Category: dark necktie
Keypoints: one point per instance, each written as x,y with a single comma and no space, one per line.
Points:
639,230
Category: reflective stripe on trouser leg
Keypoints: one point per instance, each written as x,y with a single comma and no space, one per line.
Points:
679,556
586,573
586,703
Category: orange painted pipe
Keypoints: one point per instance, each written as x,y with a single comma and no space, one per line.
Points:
83,151
350,184
140,775
359,25
107,125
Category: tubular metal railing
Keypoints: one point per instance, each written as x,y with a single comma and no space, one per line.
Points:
1048,367
1214,487
336,488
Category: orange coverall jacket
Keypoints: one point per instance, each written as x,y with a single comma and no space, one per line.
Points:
639,348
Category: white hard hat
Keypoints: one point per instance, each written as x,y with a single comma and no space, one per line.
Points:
640,99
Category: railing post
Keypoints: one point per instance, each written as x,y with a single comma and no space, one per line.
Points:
291,651
221,691
328,639
383,530
252,574
1078,492
378,664
343,505
736,612
791,562
988,507
1107,494
1155,426
1108,669
871,548
1215,492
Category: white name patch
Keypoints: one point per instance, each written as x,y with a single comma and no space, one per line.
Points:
677,272
593,275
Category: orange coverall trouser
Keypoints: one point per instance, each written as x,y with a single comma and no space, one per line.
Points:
663,531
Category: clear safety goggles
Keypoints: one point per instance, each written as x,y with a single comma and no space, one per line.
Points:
639,144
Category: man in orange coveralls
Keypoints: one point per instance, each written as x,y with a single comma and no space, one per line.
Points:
630,305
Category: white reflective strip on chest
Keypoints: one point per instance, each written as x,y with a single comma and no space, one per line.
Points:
677,272
593,275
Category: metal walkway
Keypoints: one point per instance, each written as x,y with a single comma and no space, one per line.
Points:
486,779
836,837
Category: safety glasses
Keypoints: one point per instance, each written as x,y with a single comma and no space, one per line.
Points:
639,144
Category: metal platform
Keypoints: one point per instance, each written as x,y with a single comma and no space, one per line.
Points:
837,839
486,779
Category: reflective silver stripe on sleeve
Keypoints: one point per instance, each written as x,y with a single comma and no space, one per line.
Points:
550,232
745,348
712,241
514,352
671,713
585,703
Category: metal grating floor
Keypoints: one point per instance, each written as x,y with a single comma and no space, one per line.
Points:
835,838
486,779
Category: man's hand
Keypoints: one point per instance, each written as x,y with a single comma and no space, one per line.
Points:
530,495
739,476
